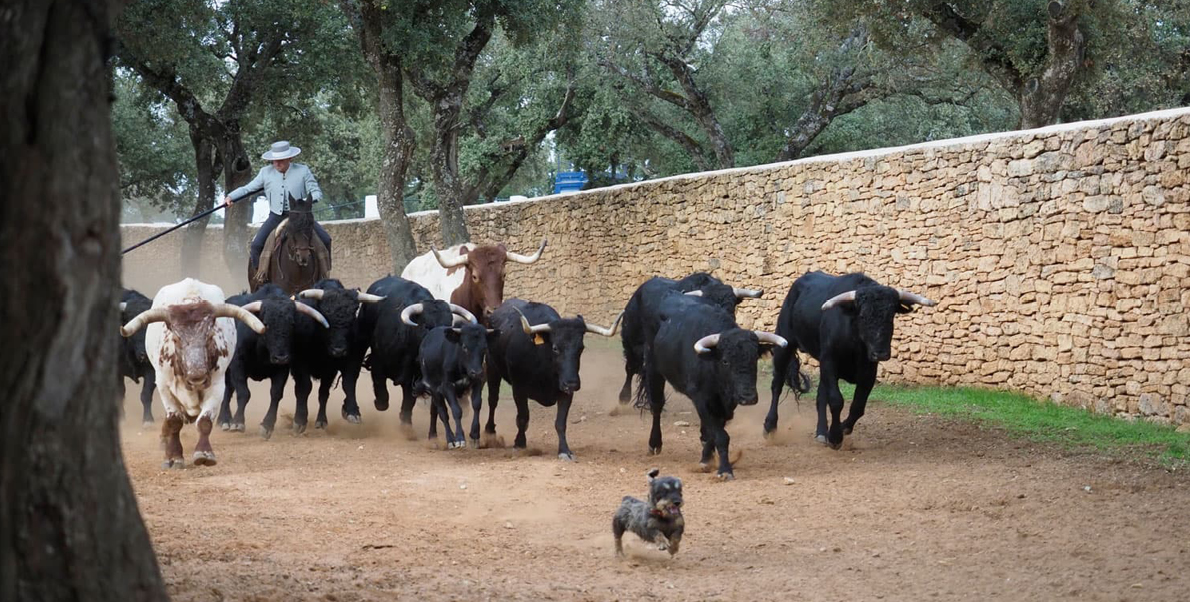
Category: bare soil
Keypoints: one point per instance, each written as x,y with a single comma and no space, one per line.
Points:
913,508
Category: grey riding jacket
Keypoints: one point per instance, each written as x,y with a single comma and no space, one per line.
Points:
298,181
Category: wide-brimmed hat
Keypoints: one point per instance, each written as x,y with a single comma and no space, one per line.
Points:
281,150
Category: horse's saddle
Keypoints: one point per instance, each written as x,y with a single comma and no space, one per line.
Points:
272,245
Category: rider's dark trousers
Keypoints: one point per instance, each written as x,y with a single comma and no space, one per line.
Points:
271,224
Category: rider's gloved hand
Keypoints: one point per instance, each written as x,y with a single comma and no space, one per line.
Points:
227,201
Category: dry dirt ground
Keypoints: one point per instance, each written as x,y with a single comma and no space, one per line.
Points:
914,508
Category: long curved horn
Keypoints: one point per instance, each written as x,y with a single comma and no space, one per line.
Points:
457,319
531,329
255,306
693,293
517,257
227,310
908,297
607,332
847,297
459,310
312,293
706,343
454,263
770,338
408,313
369,298
302,308
157,314
747,293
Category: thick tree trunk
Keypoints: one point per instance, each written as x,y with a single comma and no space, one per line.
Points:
69,524
444,161
1041,98
237,171
394,165
192,235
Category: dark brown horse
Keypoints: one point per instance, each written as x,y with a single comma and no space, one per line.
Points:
294,257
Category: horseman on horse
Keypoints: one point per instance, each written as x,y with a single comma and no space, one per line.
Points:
295,260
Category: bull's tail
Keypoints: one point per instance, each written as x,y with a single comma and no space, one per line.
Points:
641,399
797,380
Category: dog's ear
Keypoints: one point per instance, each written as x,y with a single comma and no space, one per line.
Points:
653,472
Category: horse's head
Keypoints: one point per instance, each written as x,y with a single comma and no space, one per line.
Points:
299,233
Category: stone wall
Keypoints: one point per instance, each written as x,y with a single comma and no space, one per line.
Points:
1059,256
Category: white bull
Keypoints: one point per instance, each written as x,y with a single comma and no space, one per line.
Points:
189,338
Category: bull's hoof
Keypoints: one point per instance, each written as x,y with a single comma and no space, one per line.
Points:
352,418
475,444
836,446
846,430
460,444
703,467
204,458
174,463
726,476
654,451
821,439
321,424
266,432
298,429
147,423
406,430
569,457
238,427
225,426
381,405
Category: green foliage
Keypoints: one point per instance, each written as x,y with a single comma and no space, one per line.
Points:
153,151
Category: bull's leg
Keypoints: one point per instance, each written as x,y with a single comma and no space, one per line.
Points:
863,388
830,397
301,392
493,400
146,396
719,430
243,395
708,444
781,357
656,391
380,390
225,406
172,441
522,417
564,402
276,392
456,439
476,406
350,378
408,401
324,395
434,400
632,362
203,454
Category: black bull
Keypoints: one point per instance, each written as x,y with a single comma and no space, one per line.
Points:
846,323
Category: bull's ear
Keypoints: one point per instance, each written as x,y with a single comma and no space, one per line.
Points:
766,350
453,334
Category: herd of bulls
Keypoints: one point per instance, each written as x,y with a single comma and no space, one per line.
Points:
443,329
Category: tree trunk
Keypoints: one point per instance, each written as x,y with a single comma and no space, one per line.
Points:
444,160
1040,99
192,235
69,524
398,154
237,171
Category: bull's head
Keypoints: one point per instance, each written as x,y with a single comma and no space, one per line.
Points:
339,307
732,355
278,316
483,274
472,340
565,340
872,309
192,327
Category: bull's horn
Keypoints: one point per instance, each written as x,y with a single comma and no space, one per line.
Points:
517,257
123,306
312,293
302,308
847,297
454,263
227,310
694,293
255,306
770,338
706,343
157,314
459,310
531,329
607,332
909,297
746,293
408,313
369,298
458,319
